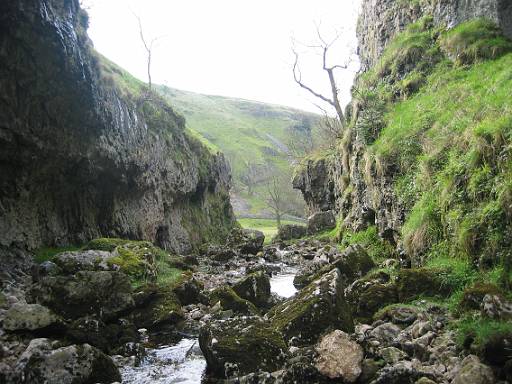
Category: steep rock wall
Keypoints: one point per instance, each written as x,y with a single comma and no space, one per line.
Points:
81,159
381,20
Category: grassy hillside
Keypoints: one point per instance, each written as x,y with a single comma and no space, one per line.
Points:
255,137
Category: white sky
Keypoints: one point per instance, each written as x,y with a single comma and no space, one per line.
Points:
239,48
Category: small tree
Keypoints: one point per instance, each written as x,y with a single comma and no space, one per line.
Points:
275,198
333,100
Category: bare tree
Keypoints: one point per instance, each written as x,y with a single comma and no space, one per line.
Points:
333,100
275,198
148,46
253,173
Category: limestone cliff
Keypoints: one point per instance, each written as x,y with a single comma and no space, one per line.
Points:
80,157
411,129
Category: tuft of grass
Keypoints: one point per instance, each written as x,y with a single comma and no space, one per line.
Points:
475,40
378,248
475,332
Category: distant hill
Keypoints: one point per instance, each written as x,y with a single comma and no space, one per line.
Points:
254,136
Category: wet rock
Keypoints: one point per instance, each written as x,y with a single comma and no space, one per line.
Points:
189,291
339,357
354,262
103,293
255,288
156,308
321,221
290,231
95,332
474,372
309,272
90,260
41,363
229,300
314,310
402,372
220,253
246,241
240,346
28,317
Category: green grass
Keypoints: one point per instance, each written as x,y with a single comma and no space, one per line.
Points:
248,133
267,226
478,331
378,249
475,40
451,145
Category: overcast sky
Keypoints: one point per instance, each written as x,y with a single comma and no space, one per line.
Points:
239,48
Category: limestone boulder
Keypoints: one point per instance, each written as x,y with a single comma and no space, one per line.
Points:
339,357
316,309
321,221
45,362
255,287
29,317
240,346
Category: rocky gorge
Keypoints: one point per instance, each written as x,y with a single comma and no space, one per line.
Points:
122,261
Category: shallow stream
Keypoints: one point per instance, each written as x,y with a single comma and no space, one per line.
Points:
183,362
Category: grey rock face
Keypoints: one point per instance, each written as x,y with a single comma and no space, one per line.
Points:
80,160
381,20
316,182
321,221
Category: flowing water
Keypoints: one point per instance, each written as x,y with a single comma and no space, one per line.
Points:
183,362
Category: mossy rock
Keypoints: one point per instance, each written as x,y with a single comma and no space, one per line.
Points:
319,307
137,259
101,293
157,308
400,314
105,244
188,290
229,300
354,263
415,282
368,295
307,275
244,345
255,287
246,241
473,296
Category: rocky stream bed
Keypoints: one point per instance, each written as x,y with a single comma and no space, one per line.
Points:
302,312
